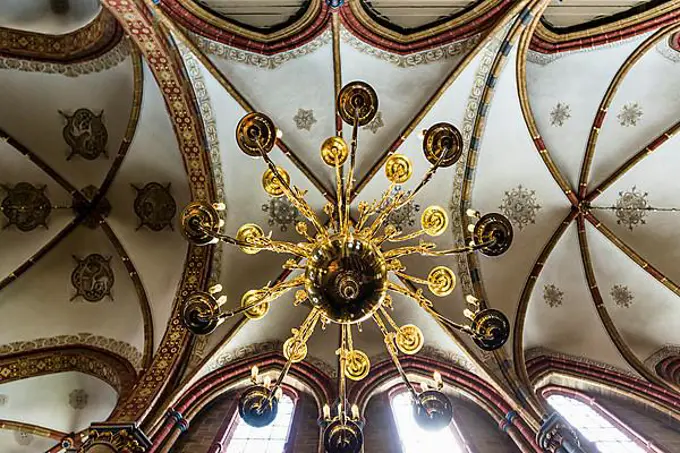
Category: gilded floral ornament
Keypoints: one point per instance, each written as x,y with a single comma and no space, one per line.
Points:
520,206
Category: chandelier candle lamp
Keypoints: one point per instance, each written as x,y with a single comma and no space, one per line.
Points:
346,267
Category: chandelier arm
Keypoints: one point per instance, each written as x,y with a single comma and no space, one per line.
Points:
392,351
342,379
350,173
407,237
427,177
411,278
293,194
415,295
373,207
399,252
340,187
466,249
389,319
261,244
271,294
306,330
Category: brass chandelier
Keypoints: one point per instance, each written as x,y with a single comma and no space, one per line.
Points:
348,270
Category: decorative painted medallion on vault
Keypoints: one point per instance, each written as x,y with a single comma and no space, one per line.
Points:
154,206
86,134
26,206
92,278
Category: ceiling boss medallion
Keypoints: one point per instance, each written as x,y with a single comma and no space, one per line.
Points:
25,206
346,267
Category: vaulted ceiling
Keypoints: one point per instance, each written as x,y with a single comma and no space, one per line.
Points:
569,132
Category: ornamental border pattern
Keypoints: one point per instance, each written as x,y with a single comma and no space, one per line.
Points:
540,351
544,59
206,110
121,348
437,54
181,110
104,62
668,52
664,352
260,61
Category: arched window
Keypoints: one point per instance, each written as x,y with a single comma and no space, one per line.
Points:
596,426
416,440
269,439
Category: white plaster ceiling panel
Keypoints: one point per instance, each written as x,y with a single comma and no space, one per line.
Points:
28,398
256,13
410,14
153,157
301,83
572,325
565,95
401,91
646,104
566,13
640,306
631,201
38,15
512,179
41,297
34,119
36,444
17,246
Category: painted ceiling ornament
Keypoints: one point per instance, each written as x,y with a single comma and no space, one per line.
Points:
77,399
86,134
26,206
405,215
23,438
560,114
282,213
622,296
92,278
304,119
630,114
520,206
155,206
84,207
631,208
377,123
552,295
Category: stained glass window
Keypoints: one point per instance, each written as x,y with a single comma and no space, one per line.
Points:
594,426
413,438
269,439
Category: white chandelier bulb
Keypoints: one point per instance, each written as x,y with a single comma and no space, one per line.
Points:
471,227
278,393
339,409
355,412
222,300
267,381
472,300
472,213
468,314
220,206
279,133
216,288
326,412
220,223
438,379
254,374
421,134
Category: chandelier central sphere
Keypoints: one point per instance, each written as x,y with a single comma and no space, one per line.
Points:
349,266
346,277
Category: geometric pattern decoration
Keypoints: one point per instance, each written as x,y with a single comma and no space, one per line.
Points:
154,206
282,213
304,119
520,206
560,114
92,278
552,295
622,296
85,133
405,215
630,114
631,208
25,206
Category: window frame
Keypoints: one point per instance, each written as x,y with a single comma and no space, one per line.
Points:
601,410
235,418
453,426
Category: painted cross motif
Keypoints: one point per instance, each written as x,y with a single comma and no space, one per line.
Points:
622,296
86,134
552,295
304,119
92,278
630,115
520,206
560,114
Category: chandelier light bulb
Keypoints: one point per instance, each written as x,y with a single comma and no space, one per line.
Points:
472,300
355,412
472,213
279,133
278,393
267,381
421,134
469,314
221,223
326,412
216,288
254,374
220,206
438,379
339,409
471,227
222,300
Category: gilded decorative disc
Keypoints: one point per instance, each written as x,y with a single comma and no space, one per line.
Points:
491,329
494,228
200,314
410,339
249,298
443,138
298,353
255,131
357,99
358,365
247,232
332,148
434,220
398,169
197,221
272,185
441,281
